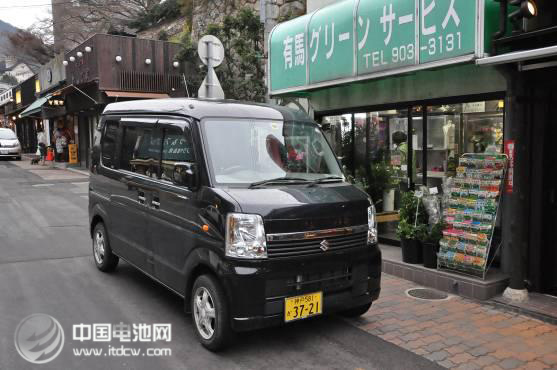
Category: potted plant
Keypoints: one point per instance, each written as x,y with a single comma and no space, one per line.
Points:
430,244
382,184
411,227
410,242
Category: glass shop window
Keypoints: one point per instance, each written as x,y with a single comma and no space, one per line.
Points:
338,131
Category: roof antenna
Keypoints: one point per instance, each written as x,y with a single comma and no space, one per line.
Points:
186,83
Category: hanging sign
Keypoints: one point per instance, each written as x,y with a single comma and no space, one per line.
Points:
476,107
509,151
353,40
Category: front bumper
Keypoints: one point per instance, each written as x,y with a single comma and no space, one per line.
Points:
10,152
257,289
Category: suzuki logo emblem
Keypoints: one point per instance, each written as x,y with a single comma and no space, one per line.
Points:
324,245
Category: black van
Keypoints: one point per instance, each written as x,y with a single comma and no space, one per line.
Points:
241,209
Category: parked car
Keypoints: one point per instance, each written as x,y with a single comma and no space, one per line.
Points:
241,209
9,144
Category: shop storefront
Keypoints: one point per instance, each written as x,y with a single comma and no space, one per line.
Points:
106,69
25,126
401,94
376,146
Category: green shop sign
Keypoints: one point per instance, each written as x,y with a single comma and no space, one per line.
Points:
361,39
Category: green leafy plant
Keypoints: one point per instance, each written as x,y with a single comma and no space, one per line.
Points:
242,73
381,178
434,234
408,205
406,230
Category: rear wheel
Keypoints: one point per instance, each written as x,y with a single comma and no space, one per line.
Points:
356,311
105,260
210,313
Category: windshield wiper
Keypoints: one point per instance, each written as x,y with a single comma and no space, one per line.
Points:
279,180
325,179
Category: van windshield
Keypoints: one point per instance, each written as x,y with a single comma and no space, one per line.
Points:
247,151
7,134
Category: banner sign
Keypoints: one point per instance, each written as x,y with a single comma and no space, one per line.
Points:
509,151
357,39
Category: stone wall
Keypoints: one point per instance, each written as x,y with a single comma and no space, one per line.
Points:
172,28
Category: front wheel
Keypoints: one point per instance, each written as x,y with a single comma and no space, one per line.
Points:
356,311
210,313
105,260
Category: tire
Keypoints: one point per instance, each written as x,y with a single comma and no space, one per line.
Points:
356,311
212,326
18,158
105,260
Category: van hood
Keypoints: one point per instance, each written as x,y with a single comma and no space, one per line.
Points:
296,208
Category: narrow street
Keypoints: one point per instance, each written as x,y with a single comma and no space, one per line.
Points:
46,266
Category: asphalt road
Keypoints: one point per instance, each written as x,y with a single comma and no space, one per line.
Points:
46,267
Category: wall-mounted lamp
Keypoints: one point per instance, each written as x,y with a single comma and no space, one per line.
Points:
72,59
14,118
19,116
118,59
80,54
88,49
65,62
147,61
176,64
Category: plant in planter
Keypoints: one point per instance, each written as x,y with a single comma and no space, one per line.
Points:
410,241
390,183
430,244
409,206
412,227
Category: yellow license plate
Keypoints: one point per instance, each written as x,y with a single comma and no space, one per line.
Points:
303,306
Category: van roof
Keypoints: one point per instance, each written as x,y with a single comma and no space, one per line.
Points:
203,108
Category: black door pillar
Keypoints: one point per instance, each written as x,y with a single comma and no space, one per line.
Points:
516,210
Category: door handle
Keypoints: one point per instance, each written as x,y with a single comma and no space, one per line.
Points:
141,197
155,203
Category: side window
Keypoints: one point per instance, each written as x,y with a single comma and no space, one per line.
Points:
177,147
108,144
141,148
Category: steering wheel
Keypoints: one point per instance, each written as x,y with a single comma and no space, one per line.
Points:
233,169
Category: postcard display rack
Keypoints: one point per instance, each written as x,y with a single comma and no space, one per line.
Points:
471,212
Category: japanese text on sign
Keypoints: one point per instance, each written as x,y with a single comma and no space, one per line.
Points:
340,41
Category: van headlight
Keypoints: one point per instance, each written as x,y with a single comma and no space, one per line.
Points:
245,236
372,225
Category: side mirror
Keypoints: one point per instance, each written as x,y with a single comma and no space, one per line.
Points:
185,174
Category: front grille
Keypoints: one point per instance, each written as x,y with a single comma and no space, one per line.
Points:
327,280
303,247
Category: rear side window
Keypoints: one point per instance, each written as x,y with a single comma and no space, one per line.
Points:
141,150
177,147
108,144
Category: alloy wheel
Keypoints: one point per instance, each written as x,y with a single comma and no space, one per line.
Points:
98,247
204,313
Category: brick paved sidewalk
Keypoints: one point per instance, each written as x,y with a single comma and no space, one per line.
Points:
459,333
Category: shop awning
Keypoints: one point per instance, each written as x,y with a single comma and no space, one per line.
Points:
518,56
35,107
138,95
